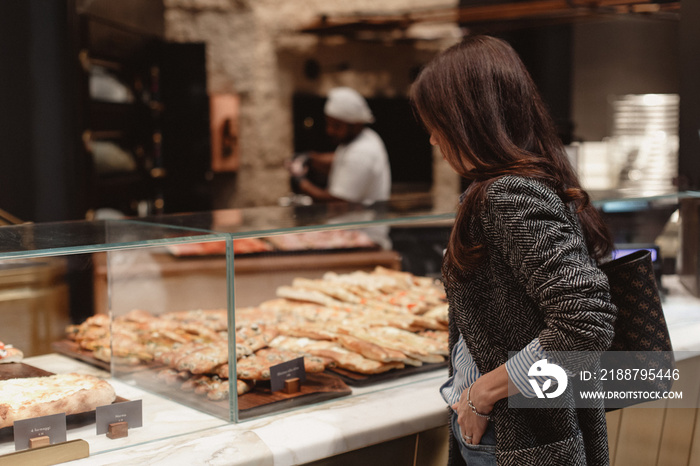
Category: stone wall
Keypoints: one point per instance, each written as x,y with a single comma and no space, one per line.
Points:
254,51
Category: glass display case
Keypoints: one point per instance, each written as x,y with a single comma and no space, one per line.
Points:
65,319
310,287
227,316
165,309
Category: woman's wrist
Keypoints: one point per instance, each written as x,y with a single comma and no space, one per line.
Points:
489,388
479,396
478,412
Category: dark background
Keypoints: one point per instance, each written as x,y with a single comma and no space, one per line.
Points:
46,174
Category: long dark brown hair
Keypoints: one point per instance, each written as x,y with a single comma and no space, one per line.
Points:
480,102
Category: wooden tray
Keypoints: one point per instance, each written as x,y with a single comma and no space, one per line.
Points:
355,379
73,350
318,387
18,370
220,249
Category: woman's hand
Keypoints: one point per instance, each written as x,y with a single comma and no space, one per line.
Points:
471,425
484,393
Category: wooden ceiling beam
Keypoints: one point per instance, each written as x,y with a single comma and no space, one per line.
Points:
481,14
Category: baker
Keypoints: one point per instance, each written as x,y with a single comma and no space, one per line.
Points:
359,169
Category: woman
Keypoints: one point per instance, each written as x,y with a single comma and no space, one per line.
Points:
520,267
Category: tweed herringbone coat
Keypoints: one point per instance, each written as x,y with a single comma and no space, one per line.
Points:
537,280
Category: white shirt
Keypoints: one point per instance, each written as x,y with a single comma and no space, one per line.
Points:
360,171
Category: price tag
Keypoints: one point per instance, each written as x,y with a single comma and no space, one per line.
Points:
286,370
52,426
126,411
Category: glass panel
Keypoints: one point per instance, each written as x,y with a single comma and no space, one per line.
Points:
58,311
272,220
640,220
34,302
170,323
333,297
638,194
41,239
275,220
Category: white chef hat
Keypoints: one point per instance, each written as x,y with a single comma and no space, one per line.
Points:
346,104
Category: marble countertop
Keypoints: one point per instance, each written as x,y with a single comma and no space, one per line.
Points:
175,434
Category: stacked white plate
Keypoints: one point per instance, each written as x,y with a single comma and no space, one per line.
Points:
645,142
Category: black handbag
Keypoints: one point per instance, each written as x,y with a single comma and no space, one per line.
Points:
641,332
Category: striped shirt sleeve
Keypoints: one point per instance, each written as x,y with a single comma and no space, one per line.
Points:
519,365
465,373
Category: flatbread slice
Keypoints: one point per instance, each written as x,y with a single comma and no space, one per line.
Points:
25,398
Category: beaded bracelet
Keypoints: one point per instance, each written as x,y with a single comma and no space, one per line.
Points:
471,405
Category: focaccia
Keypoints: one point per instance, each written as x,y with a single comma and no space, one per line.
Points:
374,351
342,357
257,367
205,359
336,291
309,295
424,350
30,397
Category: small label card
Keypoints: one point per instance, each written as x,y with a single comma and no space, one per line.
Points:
52,426
126,411
286,370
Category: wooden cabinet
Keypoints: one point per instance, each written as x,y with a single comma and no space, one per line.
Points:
143,111
658,435
256,278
